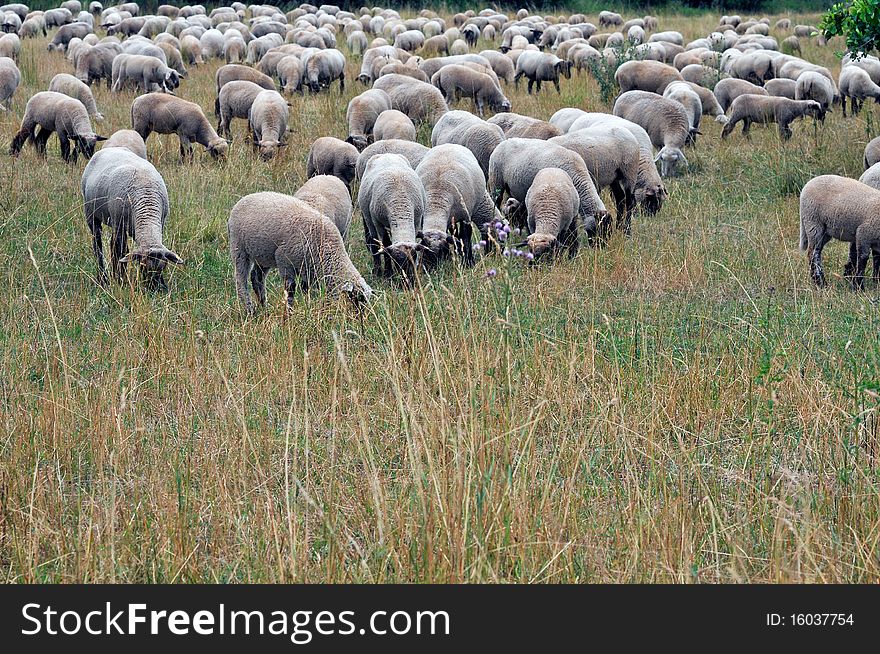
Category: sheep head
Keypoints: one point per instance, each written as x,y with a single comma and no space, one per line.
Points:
670,159
218,148
542,245
269,148
438,247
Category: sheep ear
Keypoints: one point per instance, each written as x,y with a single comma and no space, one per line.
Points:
421,248
524,244
450,239
101,138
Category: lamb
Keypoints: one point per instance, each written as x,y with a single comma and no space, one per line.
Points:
729,89
143,69
236,99
665,121
70,85
769,109
845,209
411,151
463,128
421,101
782,88
129,139
330,197
324,67
268,122
271,230
362,112
330,156
856,84
392,124
125,192
10,78
647,75
540,67
168,114
392,201
457,81
515,162
519,126
552,205
456,200
612,156
682,93
56,112
813,86
872,152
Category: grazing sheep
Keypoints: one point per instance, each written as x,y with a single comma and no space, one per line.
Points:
168,114
56,112
392,202
540,67
231,72
329,196
519,126
665,121
290,73
357,43
70,85
456,200
463,128
323,68
781,88
10,46
431,66
501,65
813,86
129,139
95,63
769,109
392,124
122,190
755,67
729,89
871,177
268,123
145,70
411,151
845,209
872,152
856,84
457,81
647,75
421,101
271,230
396,67
10,78
362,112
191,50
791,45
67,32
515,162
552,205
236,98
330,156
684,94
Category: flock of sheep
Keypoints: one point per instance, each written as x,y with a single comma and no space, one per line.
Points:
498,177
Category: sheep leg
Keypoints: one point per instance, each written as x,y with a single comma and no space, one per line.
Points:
863,252
258,281
531,83
784,131
623,201
373,247
569,239
98,248
747,125
342,83
186,149
119,248
65,147
516,79
243,266
875,255
26,133
389,262
843,104
555,83
850,266
814,254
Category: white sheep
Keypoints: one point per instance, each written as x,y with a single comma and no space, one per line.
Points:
331,156
168,114
411,151
729,89
665,121
765,110
10,78
330,196
856,84
145,70
129,139
540,67
463,128
646,75
552,205
56,112
70,85
392,124
236,99
814,86
268,119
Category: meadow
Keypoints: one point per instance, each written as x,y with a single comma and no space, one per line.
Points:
682,405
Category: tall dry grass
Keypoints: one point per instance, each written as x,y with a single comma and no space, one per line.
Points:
681,406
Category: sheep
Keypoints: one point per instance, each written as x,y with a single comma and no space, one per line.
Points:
357,43
129,139
361,115
519,126
463,128
290,73
70,85
396,67
755,67
329,196
10,46
173,58
457,81
411,151
67,32
515,162
781,88
770,109
791,45
324,67
421,101
665,121
845,209
392,201
667,37
456,200
56,112
126,193
431,66
729,89
540,67
813,86
646,75
330,156
95,63
609,19
392,124
268,122
168,114
871,177
10,78
191,49
613,157
143,69
684,94
872,152
805,31
236,98
552,205
271,230
709,103
231,72
856,84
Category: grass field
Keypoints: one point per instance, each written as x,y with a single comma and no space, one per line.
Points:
681,406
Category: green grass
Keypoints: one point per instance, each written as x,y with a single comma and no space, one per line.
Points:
681,406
